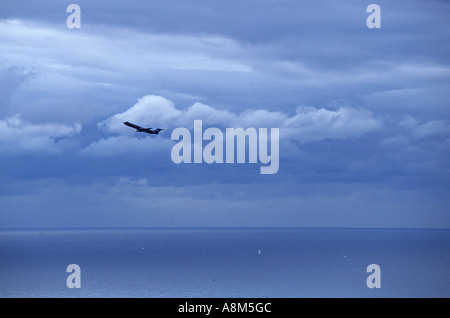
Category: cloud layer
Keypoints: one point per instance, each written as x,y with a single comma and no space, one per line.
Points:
307,124
17,135
363,114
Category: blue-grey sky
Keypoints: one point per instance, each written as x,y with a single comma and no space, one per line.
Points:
363,113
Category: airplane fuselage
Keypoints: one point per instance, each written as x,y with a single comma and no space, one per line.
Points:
142,129
148,131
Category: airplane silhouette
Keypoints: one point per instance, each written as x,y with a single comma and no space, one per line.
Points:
142,129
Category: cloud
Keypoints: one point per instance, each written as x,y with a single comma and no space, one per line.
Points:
11,78
18,136
424,130
209,64
108,65
149,109
125,145
60,50
432,128
139,202
112,65
307,124
310,123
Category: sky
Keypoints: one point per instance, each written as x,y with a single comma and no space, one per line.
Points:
363,113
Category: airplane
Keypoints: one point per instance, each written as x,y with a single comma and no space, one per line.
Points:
142,129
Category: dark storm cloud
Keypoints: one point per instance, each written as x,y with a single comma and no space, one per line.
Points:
300,65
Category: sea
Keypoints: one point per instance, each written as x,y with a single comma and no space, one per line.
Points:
225,263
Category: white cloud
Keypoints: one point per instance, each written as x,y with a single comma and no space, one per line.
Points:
17,135
210,115
310,123
114,49
307,124
150,109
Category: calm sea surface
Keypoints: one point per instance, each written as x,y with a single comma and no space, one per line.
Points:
225,262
